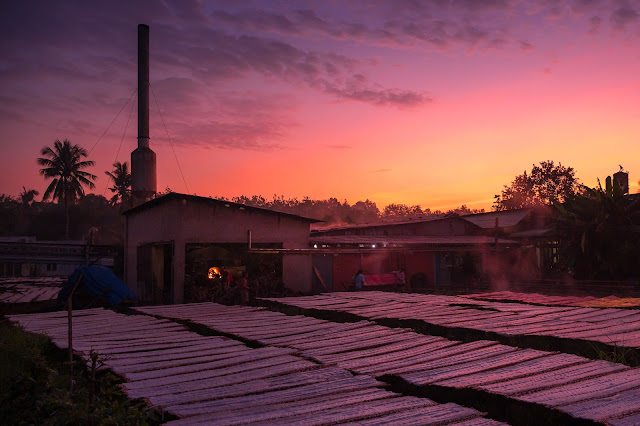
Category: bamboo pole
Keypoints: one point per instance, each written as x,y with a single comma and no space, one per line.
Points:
70,329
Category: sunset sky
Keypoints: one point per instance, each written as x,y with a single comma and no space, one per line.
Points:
437,103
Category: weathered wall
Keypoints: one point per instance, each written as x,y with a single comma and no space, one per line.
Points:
203,223
184,221
153,225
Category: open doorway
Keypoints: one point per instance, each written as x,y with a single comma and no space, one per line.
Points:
155,273
212,270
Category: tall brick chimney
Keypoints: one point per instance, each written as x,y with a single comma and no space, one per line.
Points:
143,159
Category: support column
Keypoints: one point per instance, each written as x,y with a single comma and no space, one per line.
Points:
179,258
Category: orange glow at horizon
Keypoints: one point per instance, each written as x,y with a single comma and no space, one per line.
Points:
264,111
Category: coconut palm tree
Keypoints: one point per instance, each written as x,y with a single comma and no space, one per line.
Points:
64,165
121,178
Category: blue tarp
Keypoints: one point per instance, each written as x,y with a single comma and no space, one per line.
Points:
100,281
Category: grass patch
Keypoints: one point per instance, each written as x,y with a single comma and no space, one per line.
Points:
617,354
35,387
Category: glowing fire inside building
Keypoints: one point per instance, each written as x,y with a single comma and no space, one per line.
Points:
214,272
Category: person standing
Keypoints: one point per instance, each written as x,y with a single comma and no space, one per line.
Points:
243,288
358,280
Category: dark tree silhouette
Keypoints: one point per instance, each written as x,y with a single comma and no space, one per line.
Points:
397,211
64,165
27,196
121,178
599,233
546,184
334,211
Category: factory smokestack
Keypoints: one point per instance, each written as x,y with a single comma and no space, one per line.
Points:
143,159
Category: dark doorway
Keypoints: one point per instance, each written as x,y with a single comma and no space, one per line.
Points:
155,273
212,270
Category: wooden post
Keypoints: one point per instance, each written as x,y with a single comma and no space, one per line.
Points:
70,328
315,270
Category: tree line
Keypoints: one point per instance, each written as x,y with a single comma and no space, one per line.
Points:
334,211
65,166
598,228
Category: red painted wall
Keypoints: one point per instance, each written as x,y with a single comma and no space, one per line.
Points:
421,262
344,267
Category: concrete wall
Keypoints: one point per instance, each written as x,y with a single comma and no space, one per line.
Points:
153,225
184,221
202,223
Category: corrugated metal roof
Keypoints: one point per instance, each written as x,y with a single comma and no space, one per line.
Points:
403,221
506,219
206,200
385,240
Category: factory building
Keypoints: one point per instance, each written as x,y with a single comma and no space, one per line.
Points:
172,237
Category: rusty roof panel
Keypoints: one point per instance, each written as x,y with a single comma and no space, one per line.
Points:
385,240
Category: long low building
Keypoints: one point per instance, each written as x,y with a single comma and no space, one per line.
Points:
424,261
27,257
435,251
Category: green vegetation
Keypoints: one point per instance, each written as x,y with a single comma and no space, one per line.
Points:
35,387
614,353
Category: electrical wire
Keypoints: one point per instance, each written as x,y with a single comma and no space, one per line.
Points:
112,121
169,137
121,140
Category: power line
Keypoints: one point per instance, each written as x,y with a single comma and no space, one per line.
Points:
169,137
121,140
112,121
125,130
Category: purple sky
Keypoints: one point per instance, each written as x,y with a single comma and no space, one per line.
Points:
435,103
